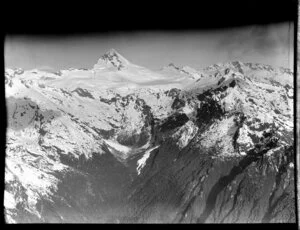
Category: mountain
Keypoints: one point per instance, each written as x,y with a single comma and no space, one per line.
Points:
112,59
122,144
184,71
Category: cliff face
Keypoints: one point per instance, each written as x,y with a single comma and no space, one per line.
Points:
219,149
194,187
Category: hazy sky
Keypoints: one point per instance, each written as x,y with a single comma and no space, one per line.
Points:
269,45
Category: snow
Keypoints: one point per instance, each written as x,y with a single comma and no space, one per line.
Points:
31,176
34,174
9,200
110,58
118,147
244,138
142,162
187,110
220,135
185,134
270,152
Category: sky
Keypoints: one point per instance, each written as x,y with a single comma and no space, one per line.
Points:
271,44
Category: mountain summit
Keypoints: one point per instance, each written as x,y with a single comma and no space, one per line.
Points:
112,59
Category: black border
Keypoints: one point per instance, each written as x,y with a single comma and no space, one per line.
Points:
57,19
296,166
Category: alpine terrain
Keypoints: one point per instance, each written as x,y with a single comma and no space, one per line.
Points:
119,143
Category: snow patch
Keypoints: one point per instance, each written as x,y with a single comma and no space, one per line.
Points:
220,135
185,134
187,110
116,146
142,162
9,200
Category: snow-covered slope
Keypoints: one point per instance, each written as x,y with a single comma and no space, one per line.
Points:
184,72
118,109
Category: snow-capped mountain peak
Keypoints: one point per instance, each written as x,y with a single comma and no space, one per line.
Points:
112,59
